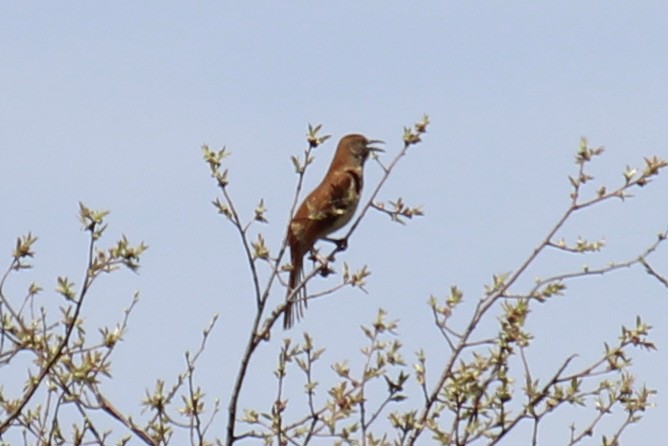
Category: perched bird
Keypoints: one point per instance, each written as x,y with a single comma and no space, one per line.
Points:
326,209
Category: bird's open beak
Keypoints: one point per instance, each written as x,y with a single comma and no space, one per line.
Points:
375,141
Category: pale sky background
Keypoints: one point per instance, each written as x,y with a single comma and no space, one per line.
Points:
110,103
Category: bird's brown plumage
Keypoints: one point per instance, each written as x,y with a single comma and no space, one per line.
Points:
329,207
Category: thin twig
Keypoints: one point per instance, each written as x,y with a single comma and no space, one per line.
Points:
69,329
652,272
255,337
484,304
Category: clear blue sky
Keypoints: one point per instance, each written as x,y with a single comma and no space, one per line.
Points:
109,104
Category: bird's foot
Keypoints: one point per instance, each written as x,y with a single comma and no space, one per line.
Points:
326,270
341,243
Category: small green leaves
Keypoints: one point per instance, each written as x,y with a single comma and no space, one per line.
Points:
551,289
92,220
312,137
260,250
65,288
158,398
121,254
580,246
34,289
443,312
410,137
421,126
193,404
455,297
314,140
582,179
299,167
259,212
420,367
413,135
653,165
356,279
222,208
342,369
125,253
404,422
399,210
214,160
632,177
498,283
637,336
23,251
381,324
397,385
586,153
629,174
221,178
250,416
24,247
111,337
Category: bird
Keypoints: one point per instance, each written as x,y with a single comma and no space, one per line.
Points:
329,207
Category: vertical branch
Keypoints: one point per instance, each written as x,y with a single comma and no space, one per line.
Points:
314,141
69,328
255,337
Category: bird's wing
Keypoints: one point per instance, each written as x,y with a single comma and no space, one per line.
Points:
330,206
336,197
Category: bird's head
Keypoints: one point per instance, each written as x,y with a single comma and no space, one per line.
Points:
358,147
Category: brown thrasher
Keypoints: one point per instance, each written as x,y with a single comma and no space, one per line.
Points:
326,209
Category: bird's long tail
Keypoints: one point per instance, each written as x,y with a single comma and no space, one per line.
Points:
295,302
